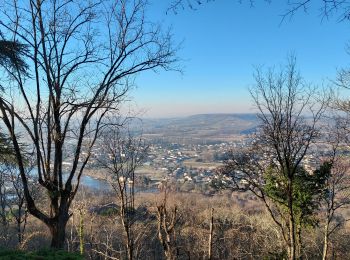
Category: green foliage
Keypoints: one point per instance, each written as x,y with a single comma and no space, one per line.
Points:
6,150
109,212
12,55
38,255
308,190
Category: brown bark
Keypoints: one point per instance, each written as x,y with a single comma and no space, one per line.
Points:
292,249
166,230
57,110
127,229
325,241
211,234
292,240
57,228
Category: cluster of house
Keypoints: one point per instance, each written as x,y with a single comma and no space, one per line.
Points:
190,163
171,160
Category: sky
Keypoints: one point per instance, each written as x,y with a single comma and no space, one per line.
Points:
222,42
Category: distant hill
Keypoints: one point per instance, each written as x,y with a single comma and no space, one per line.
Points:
202,126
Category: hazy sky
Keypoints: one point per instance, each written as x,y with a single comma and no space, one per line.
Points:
223,41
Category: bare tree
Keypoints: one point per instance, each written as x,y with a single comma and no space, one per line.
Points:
343,81
167,219
176,5
327,8
13,209
337,195
123,153
3,205
5,153
289,112
81,57
17,206
12,203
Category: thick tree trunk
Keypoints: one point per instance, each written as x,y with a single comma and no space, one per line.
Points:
57,228
58,233
19,233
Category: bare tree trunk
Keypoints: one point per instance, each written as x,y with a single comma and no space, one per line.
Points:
166,230
292,249
21,224
211,234
291,240
129,240
81,232
129,249
325,241
299,243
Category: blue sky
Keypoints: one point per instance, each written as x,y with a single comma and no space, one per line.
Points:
223,41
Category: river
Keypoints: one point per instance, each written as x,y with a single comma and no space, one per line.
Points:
96,184
102,185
